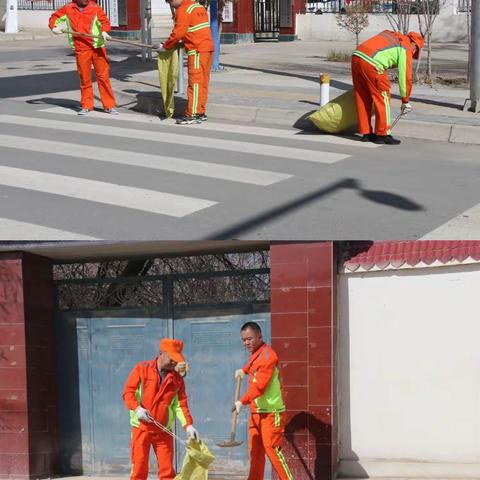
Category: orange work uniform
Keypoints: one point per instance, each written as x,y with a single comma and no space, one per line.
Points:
93,21
370,63
193,27
164,396
267,419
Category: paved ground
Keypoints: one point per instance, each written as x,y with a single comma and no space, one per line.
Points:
135,176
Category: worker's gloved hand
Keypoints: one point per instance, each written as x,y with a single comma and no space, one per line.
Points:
406,108
238,405
239,373
106,36
143,414
192,433
161,48
58,30
182,368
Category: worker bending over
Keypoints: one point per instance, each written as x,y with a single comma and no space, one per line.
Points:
155,390
370,63
264,395
87,17
192,26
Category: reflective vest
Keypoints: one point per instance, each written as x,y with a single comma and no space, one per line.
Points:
91,20
193,27
165,399
264,393
387,50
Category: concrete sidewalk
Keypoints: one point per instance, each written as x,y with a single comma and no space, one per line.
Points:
278,84
24,35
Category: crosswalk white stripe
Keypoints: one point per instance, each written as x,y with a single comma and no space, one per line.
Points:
16,230
157,162
465,226
200,141
103,192
288,134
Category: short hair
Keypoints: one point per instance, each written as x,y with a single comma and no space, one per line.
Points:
252,326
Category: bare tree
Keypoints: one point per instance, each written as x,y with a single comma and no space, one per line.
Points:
399,17
428,11
354,18
123,283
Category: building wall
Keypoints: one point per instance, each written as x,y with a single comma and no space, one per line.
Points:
449,26
303,335
34,19
28,416
409,383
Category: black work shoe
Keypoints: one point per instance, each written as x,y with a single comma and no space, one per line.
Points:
369,137
188,120
202,117
386,140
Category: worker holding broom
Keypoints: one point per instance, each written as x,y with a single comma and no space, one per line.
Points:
87,18
264,395
192,26
370,63
155,393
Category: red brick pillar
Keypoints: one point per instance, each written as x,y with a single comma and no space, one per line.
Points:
241,29
289,33
28,423
303,335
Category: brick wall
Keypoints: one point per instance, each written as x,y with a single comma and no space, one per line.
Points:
303,335
28,445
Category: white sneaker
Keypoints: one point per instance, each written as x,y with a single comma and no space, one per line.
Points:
111,111
83,111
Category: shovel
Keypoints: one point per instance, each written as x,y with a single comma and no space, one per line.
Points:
232,442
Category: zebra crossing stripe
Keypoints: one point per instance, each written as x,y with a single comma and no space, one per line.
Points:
18,230
288,134
199,140
146,160
102,192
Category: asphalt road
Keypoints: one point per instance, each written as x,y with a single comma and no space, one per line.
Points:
136,177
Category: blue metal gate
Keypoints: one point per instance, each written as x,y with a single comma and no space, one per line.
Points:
215,351
97,352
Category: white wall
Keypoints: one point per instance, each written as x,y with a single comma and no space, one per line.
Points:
160,7
448,27
33,19
409,372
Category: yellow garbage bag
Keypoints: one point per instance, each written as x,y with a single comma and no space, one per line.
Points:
338,115
196,462
168,72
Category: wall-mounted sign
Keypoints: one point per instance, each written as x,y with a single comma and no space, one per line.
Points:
111,9
228,12
286,13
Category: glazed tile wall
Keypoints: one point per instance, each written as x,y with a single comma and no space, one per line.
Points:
303,326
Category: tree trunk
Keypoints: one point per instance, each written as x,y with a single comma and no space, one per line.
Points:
429,58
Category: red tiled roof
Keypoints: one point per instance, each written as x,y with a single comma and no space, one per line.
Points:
380,255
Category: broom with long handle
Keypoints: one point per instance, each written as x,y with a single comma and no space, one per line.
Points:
117,40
